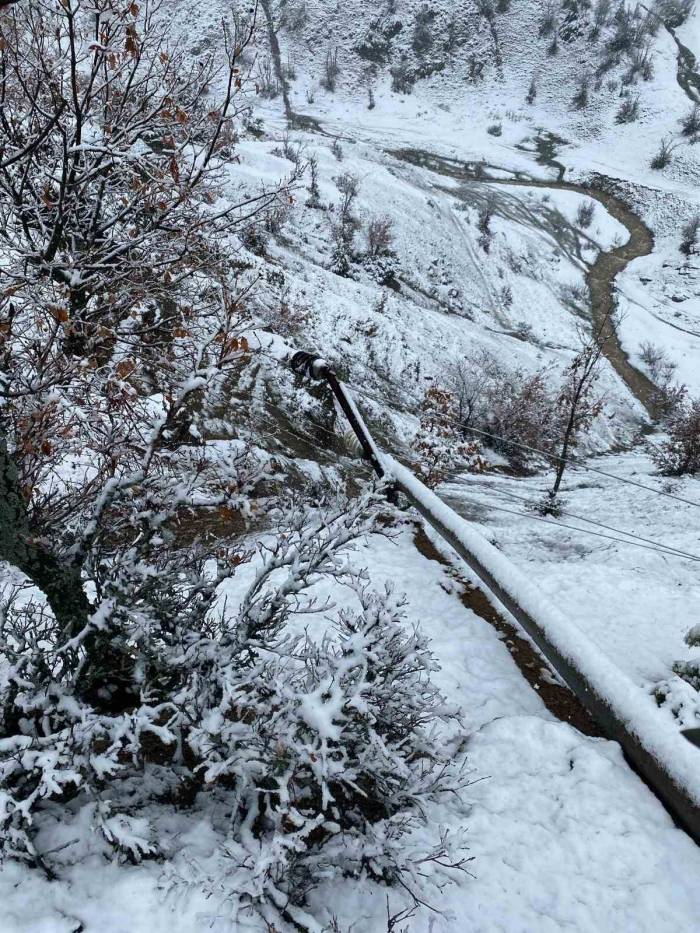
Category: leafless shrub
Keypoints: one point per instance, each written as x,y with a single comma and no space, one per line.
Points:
691,236
664,156
484,224
402,78
314,191
476,69
267,83
380,235
548,19
657,362
628,110
337,150
532,91
679,453
691,123
580,98
584,214
331,70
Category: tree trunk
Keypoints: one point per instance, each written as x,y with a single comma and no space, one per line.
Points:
60,582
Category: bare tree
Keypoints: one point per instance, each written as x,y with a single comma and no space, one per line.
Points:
331,70
578,404
118,289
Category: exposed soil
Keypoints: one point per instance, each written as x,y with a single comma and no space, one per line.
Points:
558,699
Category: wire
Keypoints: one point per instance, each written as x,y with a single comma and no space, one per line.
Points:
573,463
585,531
651,541
636,540
645,543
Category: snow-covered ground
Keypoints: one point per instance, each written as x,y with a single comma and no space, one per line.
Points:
563,834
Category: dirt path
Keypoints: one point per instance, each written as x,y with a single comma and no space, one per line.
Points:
609,264
558,699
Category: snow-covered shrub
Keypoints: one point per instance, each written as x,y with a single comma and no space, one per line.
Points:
628,111
423,36
511,405
664,156
690,670
439,444
532,91
345,224
584,214
319,743
691,122
679,453
691,236
380,235
484,225
331,70
580,98
548,19
402,77
661,367
681,694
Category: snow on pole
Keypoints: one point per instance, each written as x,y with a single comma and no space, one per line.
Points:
662,756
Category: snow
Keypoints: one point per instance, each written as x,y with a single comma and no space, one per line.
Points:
563,834
636,711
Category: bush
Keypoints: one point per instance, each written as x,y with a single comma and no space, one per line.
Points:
691,123
664,156
484,225
495,129
331,70
380,236
679,454
532,91
439,444
690,670
423,31
319,752
584,214
691,236
580,98
656,360
402,78
548,20
516,406
628,110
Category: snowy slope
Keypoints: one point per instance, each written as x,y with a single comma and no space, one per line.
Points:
563,834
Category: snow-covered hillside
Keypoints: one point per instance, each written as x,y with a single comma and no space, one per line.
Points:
473,187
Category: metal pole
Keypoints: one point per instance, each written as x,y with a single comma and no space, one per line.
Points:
317,368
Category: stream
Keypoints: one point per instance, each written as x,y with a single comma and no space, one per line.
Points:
601,275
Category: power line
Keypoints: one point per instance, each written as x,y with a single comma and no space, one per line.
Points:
637,541
660,545
585,531
575,464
